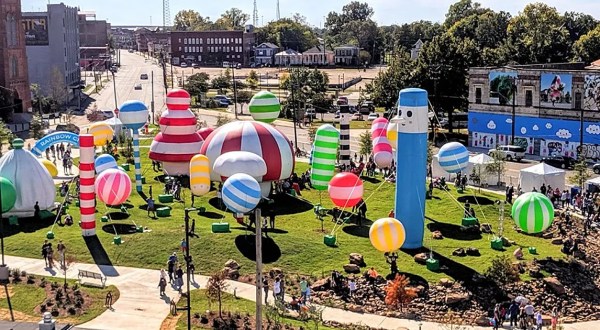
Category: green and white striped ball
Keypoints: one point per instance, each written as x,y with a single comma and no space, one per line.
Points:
533,212
265,107
327,139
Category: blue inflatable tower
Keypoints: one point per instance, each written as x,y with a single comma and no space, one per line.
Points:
411,164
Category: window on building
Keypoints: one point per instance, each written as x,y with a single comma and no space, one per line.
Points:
577,100
529,98
201,41
239,56
179,40
478,95
179,48
13,67
185,49
185,41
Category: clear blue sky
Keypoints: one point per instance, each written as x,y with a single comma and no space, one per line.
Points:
133,12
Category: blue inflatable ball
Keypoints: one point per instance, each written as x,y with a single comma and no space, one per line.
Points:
453,157
104,162
241,193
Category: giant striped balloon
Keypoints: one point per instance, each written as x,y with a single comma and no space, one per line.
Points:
105,162
533,212
345,189
387,234
323,156
453,157
199,175
241,193
382,149
102,133
264,107
113,186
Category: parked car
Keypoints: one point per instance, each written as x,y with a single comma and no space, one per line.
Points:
509,152
144,76
342,100
596,168
195,65
183,65
222,103
224,98
108,114
372,116
357,116
366,107
137,86
563,162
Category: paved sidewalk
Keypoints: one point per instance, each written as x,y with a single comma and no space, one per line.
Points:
141,307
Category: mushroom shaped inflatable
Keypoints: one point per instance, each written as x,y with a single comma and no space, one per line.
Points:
246,162
258,138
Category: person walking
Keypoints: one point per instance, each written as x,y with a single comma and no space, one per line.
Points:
61,248
191,267
276,289
50,256
282,286
265,284
179,278
303,288
171,268
162,284
45,247
352,287
513,312
183,245
150,207
496,319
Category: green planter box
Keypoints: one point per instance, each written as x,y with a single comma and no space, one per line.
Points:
117,240
497,244
143,180
104,218
125,166
77,203
165,198
163,212
13,220
201,209
532,250
460,190
329,240
433,265
139,229
50,235
220,227
467,222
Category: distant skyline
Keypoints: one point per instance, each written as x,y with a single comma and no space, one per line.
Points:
387,12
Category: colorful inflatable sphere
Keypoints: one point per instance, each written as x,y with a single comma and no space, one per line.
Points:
533,212
241,193
387,234
382,149
49,166
9,194
258,138
453,157
113,187
345,189
199,175
102,133
105,162
133,114
178,140
323,156
205,132
265,107
392,132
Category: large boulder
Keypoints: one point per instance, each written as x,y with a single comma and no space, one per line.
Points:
357,259
554,284
321,285
471,251
460,252
352,269
421,258
446,282
232,274
232,264
456,298
486,228
274,272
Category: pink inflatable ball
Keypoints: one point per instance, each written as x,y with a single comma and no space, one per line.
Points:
113,186
205,132
345,189
178,99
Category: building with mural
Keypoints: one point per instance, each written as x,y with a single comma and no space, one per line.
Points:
543,103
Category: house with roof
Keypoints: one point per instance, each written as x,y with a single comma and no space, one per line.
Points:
264,54
318,55
288,57
416,49
346,55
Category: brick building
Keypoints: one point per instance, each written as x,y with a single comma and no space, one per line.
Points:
93,40
213,47
13,57
147,39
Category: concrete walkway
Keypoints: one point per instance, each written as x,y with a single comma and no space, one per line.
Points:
141,307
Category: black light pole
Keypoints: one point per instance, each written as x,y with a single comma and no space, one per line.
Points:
581,133
294,119
234,91
514,97
172,81
115,89
187,258
152,101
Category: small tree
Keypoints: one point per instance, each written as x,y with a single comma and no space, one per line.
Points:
244,96
215,287
58,88
497,166
397,294
365,144
312,132
6,135
581,173
36,127
502,271
252,79
222,120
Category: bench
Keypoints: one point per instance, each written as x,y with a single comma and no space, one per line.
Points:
88,274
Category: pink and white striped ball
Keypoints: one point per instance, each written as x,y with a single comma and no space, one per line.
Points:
382,149
345,189
178,99
113,186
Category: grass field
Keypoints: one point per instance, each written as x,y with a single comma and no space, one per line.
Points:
296,245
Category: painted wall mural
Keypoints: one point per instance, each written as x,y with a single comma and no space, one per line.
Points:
501,91
591,92
526,142
556,90
558,148
483,140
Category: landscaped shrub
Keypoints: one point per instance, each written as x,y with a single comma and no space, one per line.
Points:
502,271
30,279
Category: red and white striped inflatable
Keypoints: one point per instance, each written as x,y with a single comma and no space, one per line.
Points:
87,196
382,148
258,138
178,140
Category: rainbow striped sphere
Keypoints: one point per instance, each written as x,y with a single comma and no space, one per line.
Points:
102,133
453,157
133,114
241,193
113,186
387,234
533,212
104,162
265,107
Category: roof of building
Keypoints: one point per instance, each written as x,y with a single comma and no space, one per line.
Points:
288,52
267,45
347,46
317,50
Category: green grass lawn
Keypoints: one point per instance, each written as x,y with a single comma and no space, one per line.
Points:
200,304
297,246
26,297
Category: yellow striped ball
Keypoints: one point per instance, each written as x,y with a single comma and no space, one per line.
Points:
392,134
102,133
199,175
387,234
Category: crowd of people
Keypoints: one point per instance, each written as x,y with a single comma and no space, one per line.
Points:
48,254
62,152
521,314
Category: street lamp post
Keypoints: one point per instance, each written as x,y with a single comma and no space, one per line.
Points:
187,259
294,119
514,97
234,91
115,91
152,91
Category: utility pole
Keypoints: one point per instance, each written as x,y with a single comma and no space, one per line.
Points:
152,90
234,91
187,261
259,288
115,91
514,97
294,117
172,79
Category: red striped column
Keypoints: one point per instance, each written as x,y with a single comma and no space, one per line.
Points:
87,196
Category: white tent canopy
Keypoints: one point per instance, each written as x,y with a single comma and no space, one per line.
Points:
477,164
539,174
592,182
481,159
115,123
